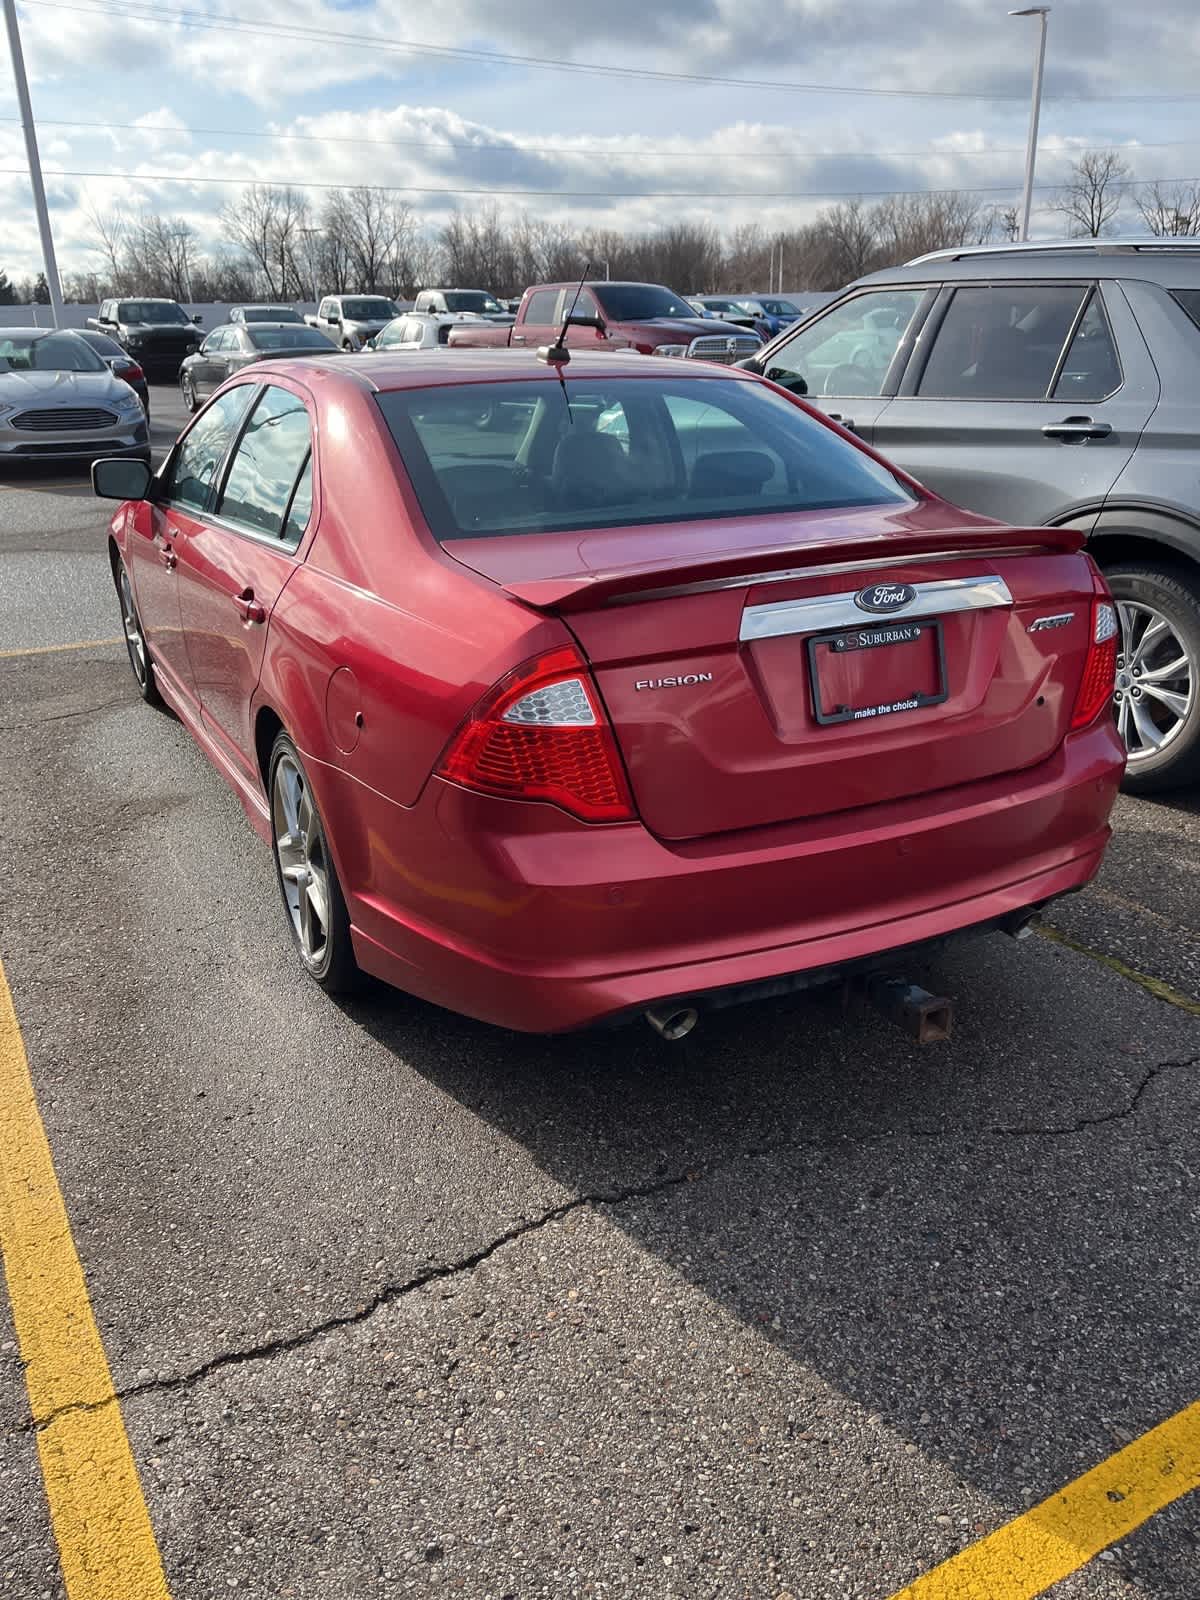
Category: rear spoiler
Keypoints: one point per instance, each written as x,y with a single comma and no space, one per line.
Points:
733,568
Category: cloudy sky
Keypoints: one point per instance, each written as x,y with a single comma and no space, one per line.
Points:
178,101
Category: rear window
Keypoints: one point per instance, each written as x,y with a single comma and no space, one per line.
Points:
540,457
288,337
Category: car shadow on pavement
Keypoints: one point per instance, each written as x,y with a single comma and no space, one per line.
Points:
988,1245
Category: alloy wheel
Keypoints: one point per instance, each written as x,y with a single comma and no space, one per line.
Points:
135,639
303,864
1156,681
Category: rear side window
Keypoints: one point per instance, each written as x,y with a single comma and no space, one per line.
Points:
270,454
1002,342
202,449
1189,300
540,305
1091,369
611,453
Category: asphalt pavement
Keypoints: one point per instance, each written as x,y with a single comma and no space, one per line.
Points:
397,1303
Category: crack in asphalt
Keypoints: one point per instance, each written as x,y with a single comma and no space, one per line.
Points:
389,1294
65,716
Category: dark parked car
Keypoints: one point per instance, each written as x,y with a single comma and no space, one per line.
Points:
264,313
119,363
673,695
158,334
1047,384
240,344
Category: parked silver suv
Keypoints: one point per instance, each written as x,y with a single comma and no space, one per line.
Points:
1049,384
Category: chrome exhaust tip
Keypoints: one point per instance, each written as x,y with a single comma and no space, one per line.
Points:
1023,925
672,1022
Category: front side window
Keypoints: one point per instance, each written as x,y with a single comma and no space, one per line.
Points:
471,300
202,449
851,349
591,452
1002,342
274,446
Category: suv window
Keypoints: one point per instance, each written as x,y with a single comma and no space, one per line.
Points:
540,306
1002,342
1189,300
1092,370
850,349
202,449
266,464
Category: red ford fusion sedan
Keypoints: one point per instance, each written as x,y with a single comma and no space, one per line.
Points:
564,692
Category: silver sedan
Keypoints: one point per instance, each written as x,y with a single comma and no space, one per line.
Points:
59,400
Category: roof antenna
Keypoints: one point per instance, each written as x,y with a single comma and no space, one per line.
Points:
557,354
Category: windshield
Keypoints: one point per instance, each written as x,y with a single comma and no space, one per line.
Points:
472,300
47,352
592,452
752,307
640,302
99,341
270,314
271,337
369,309
150,311
780,308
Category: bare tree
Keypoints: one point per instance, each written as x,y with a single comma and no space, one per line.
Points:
251,223
1093,195
1170,211
112,237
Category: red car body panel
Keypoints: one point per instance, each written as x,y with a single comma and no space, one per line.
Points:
763,847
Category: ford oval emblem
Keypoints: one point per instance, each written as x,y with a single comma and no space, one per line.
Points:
885,597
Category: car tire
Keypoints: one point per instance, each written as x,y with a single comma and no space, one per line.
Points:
140,662
1167,600
188,390
308,881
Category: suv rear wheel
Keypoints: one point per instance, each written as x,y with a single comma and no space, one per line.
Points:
1157,696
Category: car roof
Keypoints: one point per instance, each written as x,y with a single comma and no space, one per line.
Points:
36,329
1153,260
446,365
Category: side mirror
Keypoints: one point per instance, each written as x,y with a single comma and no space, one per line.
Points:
198,320
791,381
116,478
587,322
332,321
749,364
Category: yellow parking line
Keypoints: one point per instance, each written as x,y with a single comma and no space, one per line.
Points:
53,649
1054,1539
97,1512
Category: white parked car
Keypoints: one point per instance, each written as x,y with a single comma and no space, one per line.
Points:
421,330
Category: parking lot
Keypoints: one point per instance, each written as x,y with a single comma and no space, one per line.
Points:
396,1303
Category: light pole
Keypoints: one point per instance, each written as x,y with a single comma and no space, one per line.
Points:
1042,13
25,107
309,234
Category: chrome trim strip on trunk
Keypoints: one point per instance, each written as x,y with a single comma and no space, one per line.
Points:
829,611
750,580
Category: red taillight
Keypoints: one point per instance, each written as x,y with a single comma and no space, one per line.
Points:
132,373
542,734
1100,669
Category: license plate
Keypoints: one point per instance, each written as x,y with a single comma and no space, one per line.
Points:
878,670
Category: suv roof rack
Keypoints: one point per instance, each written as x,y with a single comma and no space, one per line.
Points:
1100,247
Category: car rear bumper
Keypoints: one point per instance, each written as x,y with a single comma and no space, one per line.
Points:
518,916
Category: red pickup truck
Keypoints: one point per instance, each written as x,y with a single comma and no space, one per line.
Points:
614,316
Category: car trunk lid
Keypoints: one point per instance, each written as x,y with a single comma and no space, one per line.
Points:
748,682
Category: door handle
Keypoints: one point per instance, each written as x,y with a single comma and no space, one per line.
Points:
518,338
1075,430
248,608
